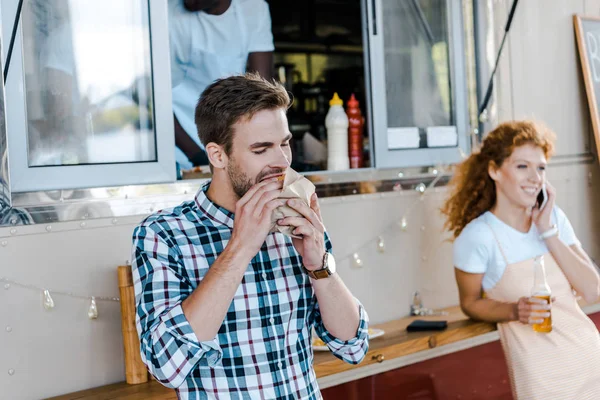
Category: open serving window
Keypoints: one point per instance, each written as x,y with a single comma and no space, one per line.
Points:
89,119
83,107
418,82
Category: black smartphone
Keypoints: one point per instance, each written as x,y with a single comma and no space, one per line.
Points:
421,325
542,197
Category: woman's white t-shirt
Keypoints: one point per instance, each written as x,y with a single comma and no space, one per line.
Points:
476,250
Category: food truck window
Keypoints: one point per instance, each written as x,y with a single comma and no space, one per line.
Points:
81,105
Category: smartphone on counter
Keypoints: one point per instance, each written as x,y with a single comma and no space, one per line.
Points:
542,198
419,325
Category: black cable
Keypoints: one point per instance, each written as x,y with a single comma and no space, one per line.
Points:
488,92
423,21
12,39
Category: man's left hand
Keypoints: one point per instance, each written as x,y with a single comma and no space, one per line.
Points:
310,226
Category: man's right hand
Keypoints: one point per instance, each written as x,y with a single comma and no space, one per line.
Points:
253,214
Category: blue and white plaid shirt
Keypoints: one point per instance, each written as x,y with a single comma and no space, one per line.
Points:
263,349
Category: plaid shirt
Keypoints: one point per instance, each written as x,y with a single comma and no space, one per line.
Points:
263,349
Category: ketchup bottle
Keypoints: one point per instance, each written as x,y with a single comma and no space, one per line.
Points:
356,124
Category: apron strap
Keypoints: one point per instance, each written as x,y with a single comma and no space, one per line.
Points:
497,242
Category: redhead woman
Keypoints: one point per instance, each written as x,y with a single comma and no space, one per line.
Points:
500,230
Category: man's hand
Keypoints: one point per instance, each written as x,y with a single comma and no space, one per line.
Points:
253,214
310,226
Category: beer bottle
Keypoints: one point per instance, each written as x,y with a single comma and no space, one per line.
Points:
541,290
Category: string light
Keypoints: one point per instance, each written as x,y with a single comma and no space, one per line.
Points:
357,261
48,301
380,244
54,292
404,224
93,310
92,313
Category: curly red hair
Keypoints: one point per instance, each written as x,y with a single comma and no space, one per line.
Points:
473,192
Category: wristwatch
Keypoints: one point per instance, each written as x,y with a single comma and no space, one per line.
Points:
327,270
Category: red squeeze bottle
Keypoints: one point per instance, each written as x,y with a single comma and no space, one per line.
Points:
355,133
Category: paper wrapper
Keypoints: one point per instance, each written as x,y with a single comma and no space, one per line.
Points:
295,186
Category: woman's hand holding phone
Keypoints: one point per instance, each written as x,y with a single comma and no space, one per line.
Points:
542,197
542,216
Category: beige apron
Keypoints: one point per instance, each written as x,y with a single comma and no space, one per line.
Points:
563,364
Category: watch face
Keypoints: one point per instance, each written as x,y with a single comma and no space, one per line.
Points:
320,274
330,263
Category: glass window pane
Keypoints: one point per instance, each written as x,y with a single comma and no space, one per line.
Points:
417,63
88,82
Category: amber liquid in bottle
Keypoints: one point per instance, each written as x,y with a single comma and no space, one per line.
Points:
545,326
541,290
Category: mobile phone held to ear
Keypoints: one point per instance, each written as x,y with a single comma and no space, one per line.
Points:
542,198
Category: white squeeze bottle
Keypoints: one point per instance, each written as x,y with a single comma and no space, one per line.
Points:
336,123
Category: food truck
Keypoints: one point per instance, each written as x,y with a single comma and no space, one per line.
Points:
87,151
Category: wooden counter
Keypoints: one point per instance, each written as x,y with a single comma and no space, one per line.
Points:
396,342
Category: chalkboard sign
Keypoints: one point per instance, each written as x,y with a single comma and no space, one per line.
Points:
587,32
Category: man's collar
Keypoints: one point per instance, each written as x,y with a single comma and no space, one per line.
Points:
214,212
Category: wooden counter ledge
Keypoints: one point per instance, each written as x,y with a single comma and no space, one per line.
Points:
393,345
396,342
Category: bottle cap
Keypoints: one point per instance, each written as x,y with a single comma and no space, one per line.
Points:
353,103
336,101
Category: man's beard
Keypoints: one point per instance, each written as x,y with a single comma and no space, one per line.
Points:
240,182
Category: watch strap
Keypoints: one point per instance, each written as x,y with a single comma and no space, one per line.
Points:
553,231
321,273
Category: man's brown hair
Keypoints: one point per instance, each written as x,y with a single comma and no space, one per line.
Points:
228,100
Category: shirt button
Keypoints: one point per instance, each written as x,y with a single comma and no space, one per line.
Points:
264,275
272,320
280,364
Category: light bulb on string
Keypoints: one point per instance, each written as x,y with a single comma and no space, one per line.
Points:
404,224
357,261
484,116
380,244
93,310
48,302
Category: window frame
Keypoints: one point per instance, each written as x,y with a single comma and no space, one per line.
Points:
23,178
375,59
